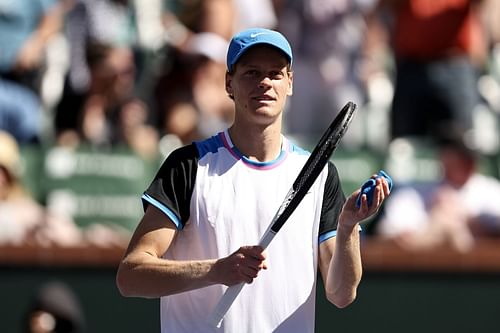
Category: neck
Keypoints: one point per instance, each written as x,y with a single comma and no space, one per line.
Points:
258,144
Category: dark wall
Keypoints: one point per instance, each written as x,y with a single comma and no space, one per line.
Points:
416,303
104,308
387,302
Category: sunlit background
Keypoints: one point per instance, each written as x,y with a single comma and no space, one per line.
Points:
95,94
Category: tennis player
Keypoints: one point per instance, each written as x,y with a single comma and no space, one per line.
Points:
211,201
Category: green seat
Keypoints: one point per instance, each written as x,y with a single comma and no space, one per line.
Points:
490,165
412,160
96,187
356,166
30,169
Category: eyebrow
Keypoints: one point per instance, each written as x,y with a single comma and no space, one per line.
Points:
278,67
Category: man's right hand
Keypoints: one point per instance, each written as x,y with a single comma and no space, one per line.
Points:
243,265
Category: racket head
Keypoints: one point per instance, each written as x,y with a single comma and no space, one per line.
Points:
315,163
337,129
325,147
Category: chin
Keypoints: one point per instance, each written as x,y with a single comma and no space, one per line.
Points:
266,112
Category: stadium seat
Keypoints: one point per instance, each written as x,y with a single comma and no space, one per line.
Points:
96,187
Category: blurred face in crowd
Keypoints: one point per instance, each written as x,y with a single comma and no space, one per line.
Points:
458,167
260,85
114,75
5,183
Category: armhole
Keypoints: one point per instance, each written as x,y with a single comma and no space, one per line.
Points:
333,200
173,185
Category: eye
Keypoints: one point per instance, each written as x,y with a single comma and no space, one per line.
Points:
252,73
276,75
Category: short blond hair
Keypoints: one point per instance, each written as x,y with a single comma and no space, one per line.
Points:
9,153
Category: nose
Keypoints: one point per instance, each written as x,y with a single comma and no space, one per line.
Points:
265,82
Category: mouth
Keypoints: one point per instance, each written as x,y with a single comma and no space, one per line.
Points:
264,98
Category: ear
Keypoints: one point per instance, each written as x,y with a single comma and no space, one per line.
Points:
229,81
290,84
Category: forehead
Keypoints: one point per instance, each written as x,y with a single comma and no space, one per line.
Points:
263,55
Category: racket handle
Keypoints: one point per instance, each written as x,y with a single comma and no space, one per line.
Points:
232,292
267,238
224,304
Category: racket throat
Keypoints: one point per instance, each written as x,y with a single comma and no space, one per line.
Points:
267,238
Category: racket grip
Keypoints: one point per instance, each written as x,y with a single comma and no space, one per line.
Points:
267,238
224,304
232,292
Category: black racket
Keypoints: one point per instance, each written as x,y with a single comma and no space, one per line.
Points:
307,176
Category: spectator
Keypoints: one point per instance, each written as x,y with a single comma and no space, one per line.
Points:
256,13
55,308
22,219
111,84
103,71
26,26
184,19
107,22
188,94
19,214
191,101
93,117
437,46
329,38
461,205
20,112
133,131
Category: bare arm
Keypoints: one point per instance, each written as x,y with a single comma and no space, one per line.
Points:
144,273
219,16
31,53
341,269
340,256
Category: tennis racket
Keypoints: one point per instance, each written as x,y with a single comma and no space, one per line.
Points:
307,176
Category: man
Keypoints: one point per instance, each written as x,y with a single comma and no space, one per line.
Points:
26,27
453,210
438,47
211,201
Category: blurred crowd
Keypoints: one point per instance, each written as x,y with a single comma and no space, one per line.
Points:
149,76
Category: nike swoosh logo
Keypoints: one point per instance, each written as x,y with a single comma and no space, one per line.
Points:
257,34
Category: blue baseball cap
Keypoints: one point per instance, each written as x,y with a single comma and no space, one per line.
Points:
244,40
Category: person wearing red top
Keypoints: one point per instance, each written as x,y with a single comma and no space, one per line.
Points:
437,46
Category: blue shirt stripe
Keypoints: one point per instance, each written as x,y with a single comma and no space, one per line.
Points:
164,209
327,235
330,234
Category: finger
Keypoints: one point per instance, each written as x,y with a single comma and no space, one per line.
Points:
258,253
248,271
255,251
385,186
254,264
379,195
247,279
363,208
252,257
248,274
